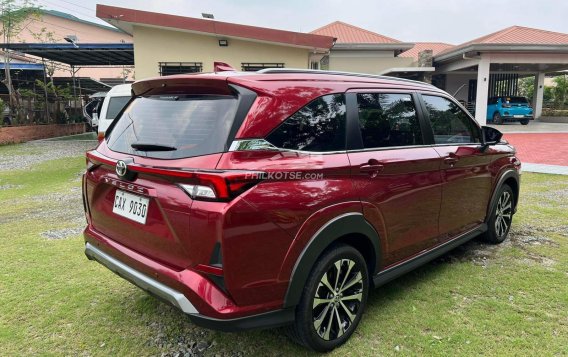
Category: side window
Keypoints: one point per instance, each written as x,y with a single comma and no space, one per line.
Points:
319,126
388,120
450,124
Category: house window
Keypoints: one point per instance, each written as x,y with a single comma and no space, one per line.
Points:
169,68
253,67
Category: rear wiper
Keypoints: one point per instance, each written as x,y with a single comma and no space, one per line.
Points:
151,147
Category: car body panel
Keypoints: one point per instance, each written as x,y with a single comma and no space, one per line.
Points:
465,181
404,196
235,258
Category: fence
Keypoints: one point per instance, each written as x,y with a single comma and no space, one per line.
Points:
57,110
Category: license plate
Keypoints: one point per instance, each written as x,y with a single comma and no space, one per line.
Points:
518,116
131,206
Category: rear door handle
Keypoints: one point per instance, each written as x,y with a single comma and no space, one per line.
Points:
451,160
372,168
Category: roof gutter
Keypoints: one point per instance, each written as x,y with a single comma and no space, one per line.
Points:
402,46
407,69
500,48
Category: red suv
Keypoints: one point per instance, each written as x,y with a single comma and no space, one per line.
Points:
255,200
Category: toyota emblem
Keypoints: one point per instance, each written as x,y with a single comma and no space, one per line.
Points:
121,168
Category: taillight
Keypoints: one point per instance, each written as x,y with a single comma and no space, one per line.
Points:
100,136
91,165
222,186
214,185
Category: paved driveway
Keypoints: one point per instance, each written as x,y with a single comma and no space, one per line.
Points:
542,147
534,126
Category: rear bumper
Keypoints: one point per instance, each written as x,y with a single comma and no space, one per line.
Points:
143,281
512,118
180,300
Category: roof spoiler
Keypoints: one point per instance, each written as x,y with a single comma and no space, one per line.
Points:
183,84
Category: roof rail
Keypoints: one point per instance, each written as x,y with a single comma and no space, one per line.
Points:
338,73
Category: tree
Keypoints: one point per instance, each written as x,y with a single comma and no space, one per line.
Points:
125,73
560,90
45,36
13,15
526,87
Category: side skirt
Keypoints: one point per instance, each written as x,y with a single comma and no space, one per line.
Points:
394,272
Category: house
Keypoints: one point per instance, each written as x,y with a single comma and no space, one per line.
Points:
473,71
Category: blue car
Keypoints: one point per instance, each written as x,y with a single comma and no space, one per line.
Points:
501,109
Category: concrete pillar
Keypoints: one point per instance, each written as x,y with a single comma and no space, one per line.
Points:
538,95
482,90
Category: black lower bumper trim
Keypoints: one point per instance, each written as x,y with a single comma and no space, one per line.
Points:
261,321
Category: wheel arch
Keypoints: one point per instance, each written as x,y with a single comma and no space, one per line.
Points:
351,229
510,177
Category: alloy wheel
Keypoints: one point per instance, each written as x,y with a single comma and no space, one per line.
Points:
337,299
503,214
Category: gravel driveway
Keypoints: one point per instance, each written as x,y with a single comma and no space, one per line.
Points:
36,152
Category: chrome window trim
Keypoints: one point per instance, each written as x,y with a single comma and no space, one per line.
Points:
251,145
241,145
262,144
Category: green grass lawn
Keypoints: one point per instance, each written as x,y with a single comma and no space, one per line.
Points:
510,299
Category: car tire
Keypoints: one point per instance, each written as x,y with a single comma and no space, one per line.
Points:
501,216
525,121
324,323
497,118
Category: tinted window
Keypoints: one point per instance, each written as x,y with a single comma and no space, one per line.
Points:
115,106
516,100
492,101
450,124
191,125
319,126
388,120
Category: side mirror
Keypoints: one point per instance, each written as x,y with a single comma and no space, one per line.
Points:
491,136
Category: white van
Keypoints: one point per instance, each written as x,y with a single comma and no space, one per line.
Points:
115,100
92,108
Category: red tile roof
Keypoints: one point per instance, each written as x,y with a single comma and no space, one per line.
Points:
346,33
436,48
114,15
516,35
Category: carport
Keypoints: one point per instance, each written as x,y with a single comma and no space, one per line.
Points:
493,64
76,56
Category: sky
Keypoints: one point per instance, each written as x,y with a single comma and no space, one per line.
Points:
450,21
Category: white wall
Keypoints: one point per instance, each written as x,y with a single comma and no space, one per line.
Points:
455,81
373,62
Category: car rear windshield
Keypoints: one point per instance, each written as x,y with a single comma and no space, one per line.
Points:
516,100
173,127
115,105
